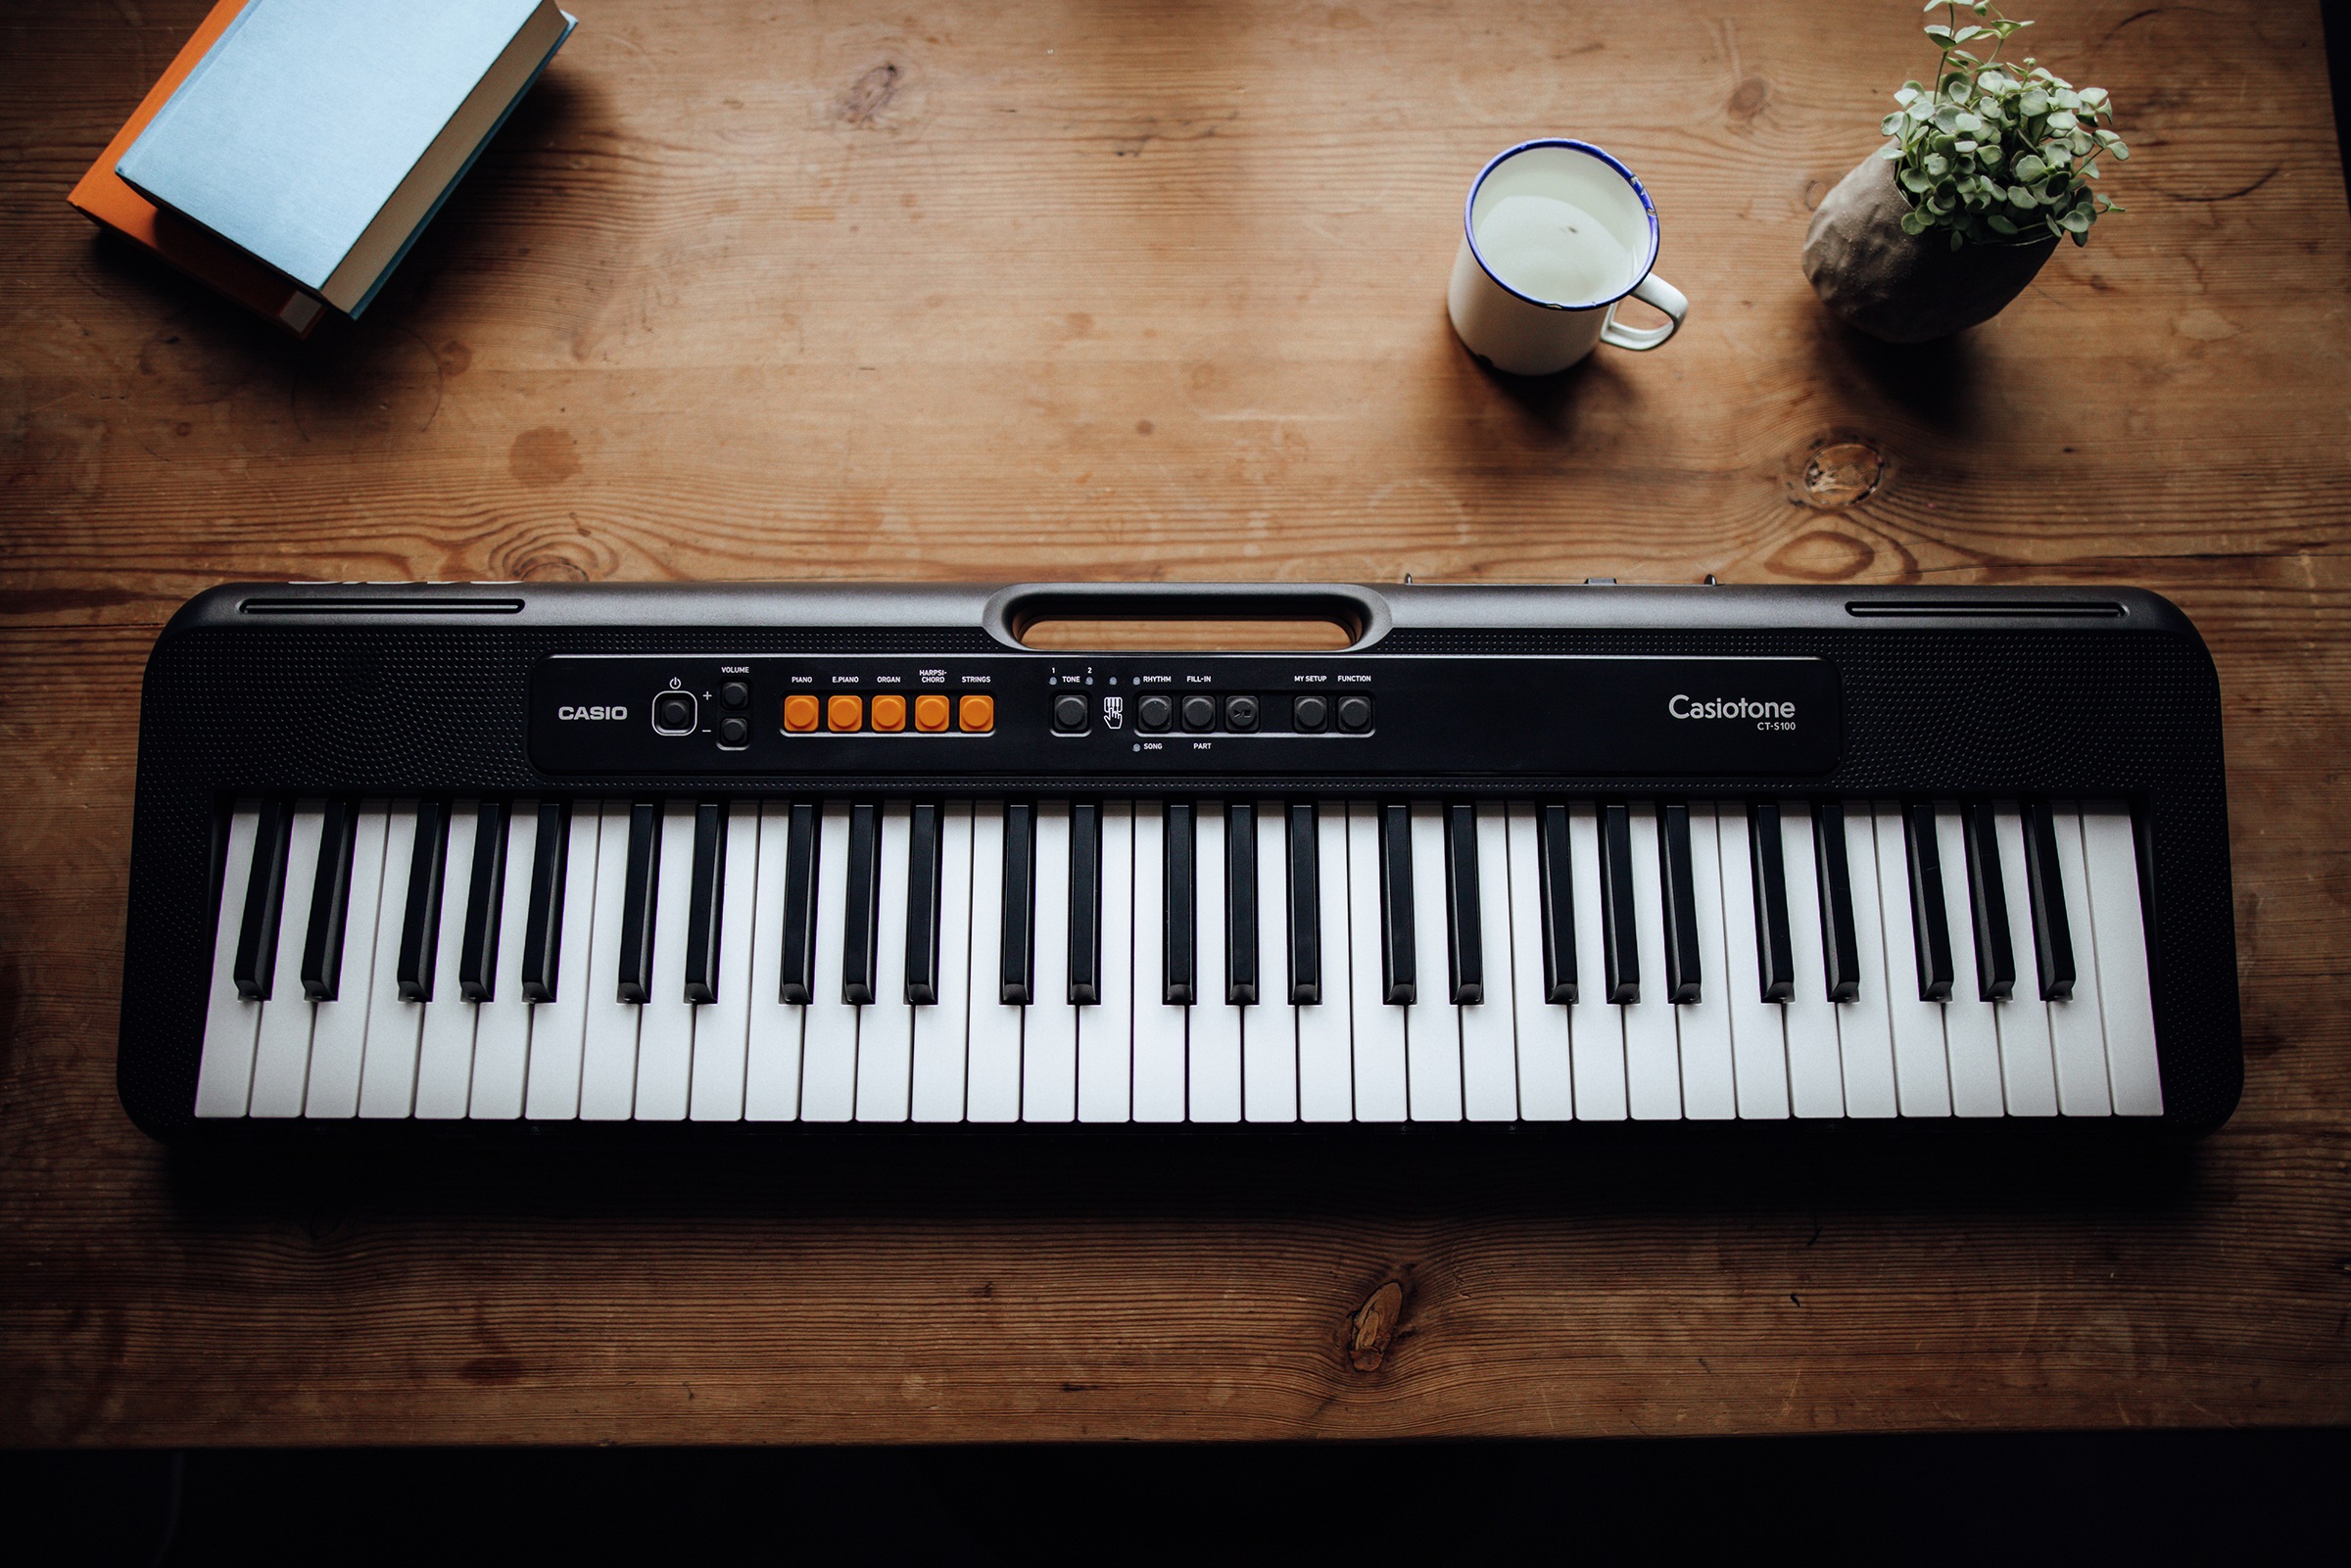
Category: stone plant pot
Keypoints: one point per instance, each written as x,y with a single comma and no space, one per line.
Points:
1904,288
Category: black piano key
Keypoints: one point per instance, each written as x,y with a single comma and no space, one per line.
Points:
925,852
543,927
1679,887
1397,959
1620,936
265,902
1085,904
1465,947
485,899
1018,951
705,901
861,913
640,896
1240,903
1987,902
1178,962
1767,860
801,843
330,904
1928,927
420,921
2052,934
1555,856
1306,907
1839,943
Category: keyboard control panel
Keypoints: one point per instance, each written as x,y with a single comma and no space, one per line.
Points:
1145,716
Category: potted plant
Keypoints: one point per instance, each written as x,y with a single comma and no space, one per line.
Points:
1981,177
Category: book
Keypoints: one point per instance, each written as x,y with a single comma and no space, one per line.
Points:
319,136
101,196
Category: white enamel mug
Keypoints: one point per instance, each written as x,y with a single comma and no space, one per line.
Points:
1554,234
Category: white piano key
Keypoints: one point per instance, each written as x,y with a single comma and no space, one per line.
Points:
1433,1024
1325,1040
1865,1024
1971,1037
1049,1033
559,1027
1816,1067
501,1030
771,1073
1653,1073
886,1029
339,1039
1378,1028
1490,1030
1270,1030
388,1068
721,1029
1709,1088
2077,1028
608,1034
940,1028
2028,1069
225,1069
666,1019
1106,1028
1546,1072
829,1028
282,1055
1215,1025
445,1050
1159,1028
2126,988
992,1085
1758,1033
1921,1073
1594,1025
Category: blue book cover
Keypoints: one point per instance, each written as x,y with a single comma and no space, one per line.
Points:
320,135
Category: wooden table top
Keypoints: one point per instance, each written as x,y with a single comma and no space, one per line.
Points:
998,289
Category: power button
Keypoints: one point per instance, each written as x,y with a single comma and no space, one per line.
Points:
673,713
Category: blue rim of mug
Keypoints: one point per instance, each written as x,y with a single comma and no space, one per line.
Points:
1649,210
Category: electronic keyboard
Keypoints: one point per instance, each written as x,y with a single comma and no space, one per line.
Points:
507,856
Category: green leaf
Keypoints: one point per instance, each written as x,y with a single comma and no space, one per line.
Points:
1914,223
2122,153
1963,145
1936,165
1947,119
2081,236
1957,239
2000,224
2021,198
1964,35
1909,95
2075,222
1890,150
1890,125
1916,183
1941,33
2030,169
2033,102
2063,120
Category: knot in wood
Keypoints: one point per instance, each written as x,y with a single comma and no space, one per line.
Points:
1373,1328
1842,474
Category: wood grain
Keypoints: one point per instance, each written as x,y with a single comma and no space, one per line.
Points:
1145,289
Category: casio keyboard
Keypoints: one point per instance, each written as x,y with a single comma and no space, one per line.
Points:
514,856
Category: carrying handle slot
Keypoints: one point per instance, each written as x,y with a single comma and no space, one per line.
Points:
1187,617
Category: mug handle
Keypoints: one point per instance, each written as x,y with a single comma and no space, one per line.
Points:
1651,290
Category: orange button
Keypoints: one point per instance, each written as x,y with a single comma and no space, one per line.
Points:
931,713
979,714
889,712
844,713
799,713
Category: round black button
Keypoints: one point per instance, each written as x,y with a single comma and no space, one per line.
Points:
1199,713
1311,713
735,695
733,732
1069,715
1355,713
1153,713
1240,713
673,713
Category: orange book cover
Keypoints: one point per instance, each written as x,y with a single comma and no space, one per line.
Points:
102,195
